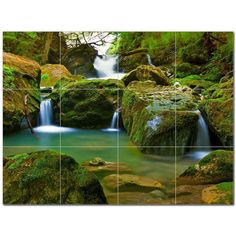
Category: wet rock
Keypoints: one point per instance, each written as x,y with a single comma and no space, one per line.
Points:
103,168
217,108
48,177
128,182
144,73
216,167
152,114
86,103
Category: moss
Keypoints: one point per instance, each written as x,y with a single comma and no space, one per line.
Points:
17,159
8,77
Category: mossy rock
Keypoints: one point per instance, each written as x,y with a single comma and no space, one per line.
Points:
145,73
79,60
86,103
219,194
130,60
51,73
217,108
215,167
48,177
149,111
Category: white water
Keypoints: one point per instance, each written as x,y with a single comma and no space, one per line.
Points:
46,119
149,60
106,67
114,122
202,143
203,138
46,114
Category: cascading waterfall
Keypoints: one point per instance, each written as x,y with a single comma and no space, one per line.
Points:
46,113
114,123
203,138
106,67
46,119
149,60
115,120
202,143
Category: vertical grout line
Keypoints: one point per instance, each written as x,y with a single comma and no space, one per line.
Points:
118,137
175,121
60,111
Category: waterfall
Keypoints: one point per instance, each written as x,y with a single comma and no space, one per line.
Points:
46,113
202,143
115,120
203,138
149,60
106,67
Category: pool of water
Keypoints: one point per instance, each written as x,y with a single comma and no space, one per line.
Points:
111,146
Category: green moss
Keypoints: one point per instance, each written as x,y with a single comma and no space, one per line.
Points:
44,76
17,160
8,77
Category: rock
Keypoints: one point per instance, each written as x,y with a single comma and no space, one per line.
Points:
128,182
216,167
130,60
102,168
48,177
51,73
87,103
21,77
148,112
20,72
217,108
221,193
144,73
79,60
137,198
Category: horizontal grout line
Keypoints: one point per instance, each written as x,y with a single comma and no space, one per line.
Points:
122,146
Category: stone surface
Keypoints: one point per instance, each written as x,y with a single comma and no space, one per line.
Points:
35,178
149,116
144,73
219,194
217,108
51,73
128,182
79,60
215,167
86,103
21,77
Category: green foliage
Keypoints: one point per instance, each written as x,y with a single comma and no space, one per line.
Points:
8,77
20,43
44,76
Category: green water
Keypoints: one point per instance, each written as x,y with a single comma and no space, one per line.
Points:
110,146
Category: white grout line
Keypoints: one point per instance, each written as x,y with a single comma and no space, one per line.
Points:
175,125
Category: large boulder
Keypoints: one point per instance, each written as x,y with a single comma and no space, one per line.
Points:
51,73
79,60
144,73
153,114
21,78
217,108
216,167
130,60
87,103
48,177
